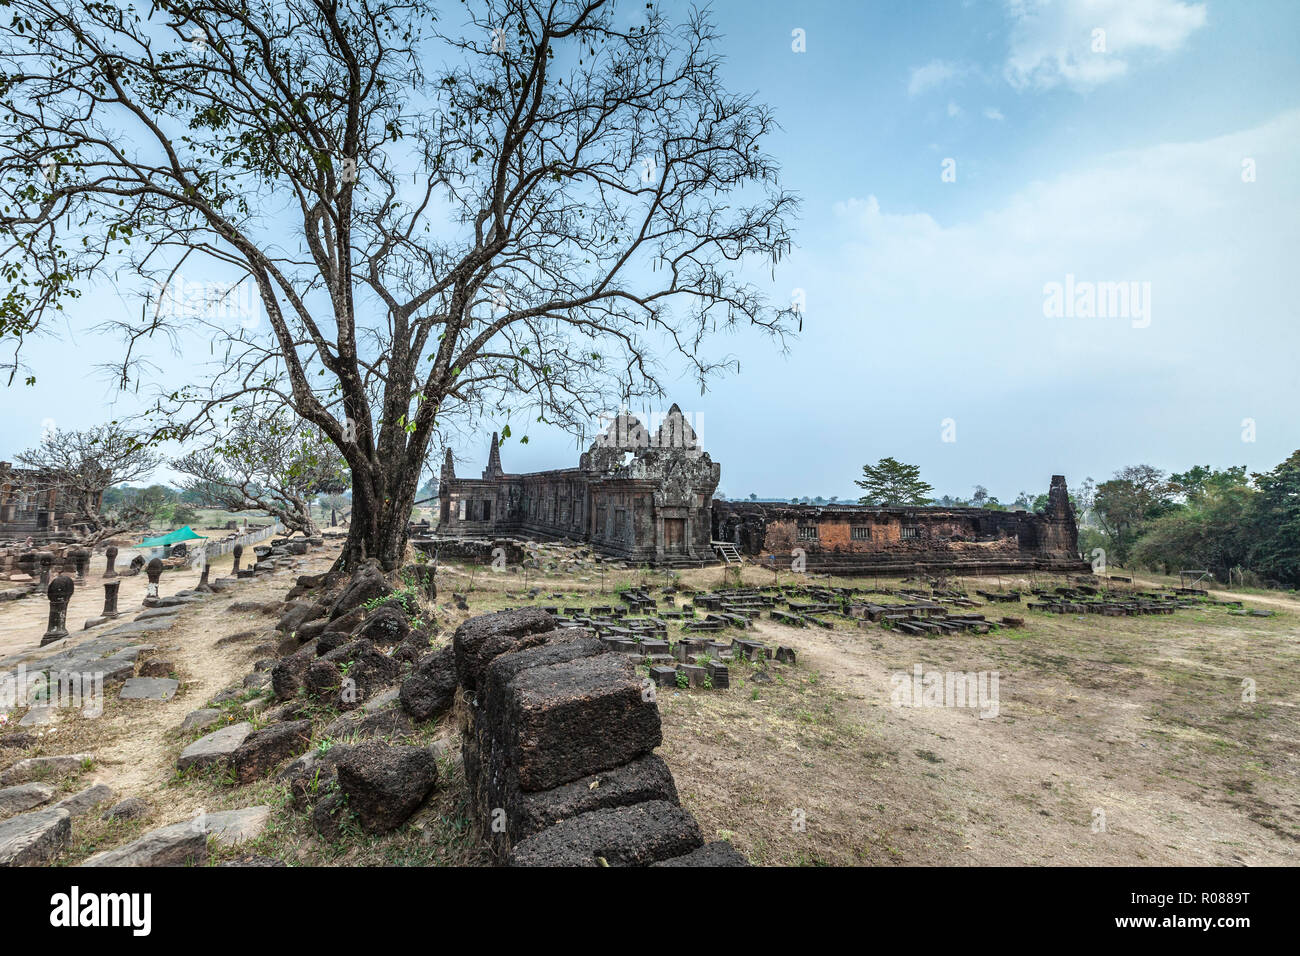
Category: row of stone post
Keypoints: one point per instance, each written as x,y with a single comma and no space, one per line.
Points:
79,558
60,591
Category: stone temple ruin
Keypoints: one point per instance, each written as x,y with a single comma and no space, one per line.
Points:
648,499
640,497
856,539
33,505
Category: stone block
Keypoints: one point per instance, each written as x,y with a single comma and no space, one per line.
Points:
718,853
263,749
575,718
148,688
33,838
480,639
636,835
215,747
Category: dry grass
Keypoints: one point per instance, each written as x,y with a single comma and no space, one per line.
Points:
1138,722
1140,719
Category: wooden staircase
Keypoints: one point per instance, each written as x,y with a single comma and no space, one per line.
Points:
726,551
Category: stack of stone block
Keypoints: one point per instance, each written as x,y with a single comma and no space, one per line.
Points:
559,750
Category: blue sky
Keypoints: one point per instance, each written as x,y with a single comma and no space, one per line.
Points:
1116,157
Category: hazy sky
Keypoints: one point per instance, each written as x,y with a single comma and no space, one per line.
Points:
955,159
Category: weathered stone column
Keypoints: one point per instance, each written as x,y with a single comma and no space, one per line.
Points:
81,561
110,599
110,555
60,592
239,553
203,584
47,562
154,571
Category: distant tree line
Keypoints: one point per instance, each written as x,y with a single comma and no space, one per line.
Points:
1239,526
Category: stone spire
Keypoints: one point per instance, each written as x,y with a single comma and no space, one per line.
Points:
448,468
1060,534
493,469
1058,499
676,432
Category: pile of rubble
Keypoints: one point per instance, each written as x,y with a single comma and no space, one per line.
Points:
558,742
922,612
638,627
1084,599
515,555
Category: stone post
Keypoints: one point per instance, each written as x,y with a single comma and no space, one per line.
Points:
154,571
203,584
47,562
239,553
81,561
110,599
60,592
110,556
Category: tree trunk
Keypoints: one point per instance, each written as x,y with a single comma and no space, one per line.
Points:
379,520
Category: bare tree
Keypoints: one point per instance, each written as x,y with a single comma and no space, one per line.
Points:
82,464
266,460
525,214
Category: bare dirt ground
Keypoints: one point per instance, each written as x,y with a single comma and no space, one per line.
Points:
135,742
1117,740
23,622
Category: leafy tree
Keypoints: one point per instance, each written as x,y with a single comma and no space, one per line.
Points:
1210,532
890,482
981,495
1202,480
84,464
1134,496
1275,523
201,495
267,460
183,514
1083,498
521,211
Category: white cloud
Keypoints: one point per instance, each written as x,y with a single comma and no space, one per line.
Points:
1177,215
993,113
933,74
953,109
1084,43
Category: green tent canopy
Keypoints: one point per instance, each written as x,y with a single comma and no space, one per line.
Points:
172,537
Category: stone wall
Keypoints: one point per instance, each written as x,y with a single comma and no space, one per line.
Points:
559,751
848,539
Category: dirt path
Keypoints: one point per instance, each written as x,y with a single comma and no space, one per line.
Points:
1118,741
22,622
1027,785
135,742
